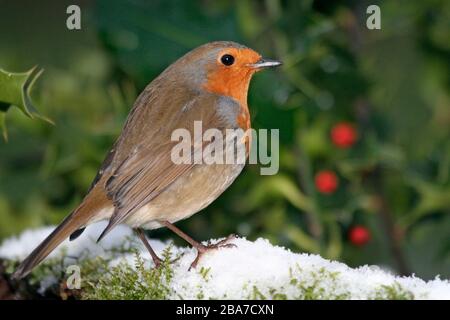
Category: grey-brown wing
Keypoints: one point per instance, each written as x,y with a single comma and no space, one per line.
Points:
148,169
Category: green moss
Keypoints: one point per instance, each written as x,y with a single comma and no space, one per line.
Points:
125,282
204,272
138,281
393,292
98,279
315,289
257,294
200,295
277,296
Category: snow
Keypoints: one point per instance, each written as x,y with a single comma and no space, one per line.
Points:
237,273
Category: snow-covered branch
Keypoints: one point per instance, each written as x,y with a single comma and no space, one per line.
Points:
252,270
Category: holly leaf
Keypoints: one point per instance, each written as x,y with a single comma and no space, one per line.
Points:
15,91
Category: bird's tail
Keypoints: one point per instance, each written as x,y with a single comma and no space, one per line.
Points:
79,218
70,224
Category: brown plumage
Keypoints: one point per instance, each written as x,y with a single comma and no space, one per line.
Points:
138,183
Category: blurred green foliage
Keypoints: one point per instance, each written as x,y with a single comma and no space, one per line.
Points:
393,84
15,91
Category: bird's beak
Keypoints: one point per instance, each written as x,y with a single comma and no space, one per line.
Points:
266,63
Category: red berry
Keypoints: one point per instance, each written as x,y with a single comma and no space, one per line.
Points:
344,135
326,181
359,235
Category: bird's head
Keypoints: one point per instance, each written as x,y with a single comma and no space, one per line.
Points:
222,67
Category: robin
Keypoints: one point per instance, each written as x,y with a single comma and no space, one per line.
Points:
138,183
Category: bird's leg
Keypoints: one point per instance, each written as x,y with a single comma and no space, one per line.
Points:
157,260
201,248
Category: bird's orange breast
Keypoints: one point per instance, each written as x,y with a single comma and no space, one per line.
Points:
235,87
233,81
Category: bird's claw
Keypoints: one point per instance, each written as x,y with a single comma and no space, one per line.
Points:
159,262
218,245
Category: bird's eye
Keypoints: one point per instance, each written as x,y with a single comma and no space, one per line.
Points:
227,59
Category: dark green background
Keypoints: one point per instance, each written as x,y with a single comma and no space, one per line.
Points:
393,84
